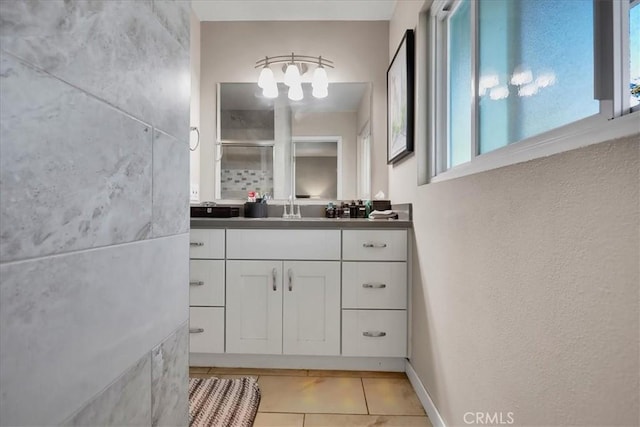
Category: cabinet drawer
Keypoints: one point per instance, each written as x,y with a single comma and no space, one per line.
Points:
374,245
206,282
374,285
283,244
206,330
206,243
374,333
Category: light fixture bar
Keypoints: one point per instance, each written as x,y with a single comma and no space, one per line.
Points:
293,58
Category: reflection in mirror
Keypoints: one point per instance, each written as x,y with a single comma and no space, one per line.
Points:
243,114
315,168
246,168
311,149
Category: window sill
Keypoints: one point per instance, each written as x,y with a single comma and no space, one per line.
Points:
587,132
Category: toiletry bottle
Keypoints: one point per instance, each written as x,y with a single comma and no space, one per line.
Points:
362,210
353,209
368,208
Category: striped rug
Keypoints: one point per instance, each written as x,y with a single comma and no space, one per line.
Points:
220,402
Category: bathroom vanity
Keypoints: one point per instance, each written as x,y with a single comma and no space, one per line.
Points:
311,293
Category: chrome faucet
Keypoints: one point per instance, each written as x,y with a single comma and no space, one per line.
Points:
294,210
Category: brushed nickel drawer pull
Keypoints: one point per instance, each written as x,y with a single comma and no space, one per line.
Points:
374,285
374,334
196,243
374,245
290,273
196,330
196,283
273,278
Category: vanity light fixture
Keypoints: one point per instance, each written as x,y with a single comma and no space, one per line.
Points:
294,67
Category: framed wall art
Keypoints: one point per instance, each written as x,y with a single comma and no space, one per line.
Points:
400,100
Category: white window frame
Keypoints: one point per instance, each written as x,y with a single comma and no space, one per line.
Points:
615,119
625,50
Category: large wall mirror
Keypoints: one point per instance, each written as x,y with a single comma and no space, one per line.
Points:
313,149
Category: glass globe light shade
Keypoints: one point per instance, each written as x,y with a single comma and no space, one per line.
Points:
295,92
320,77
292,75
320,91
265,78
271,90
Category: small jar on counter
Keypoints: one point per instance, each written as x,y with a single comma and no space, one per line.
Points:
330,211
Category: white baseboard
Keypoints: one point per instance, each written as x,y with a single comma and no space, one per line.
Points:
266,361
423,395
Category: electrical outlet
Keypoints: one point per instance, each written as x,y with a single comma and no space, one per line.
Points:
195,194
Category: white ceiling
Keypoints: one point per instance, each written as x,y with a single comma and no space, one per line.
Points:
293,10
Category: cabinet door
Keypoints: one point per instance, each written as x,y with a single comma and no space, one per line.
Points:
283,244
374,245
205,243
311,313
254,307
374,285
206,282
381,333
206,330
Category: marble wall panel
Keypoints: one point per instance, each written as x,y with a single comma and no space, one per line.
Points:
123,403
72,323
170,185
175,18
117,50
75,172
170,380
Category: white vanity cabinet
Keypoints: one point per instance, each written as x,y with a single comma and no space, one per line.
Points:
206,291
283,292
374,293
313,297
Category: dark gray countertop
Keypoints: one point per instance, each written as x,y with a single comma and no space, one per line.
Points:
304,223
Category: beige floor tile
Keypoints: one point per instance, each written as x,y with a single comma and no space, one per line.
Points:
258,372
391,396
198,370
356,374
326,420
312,395
266,419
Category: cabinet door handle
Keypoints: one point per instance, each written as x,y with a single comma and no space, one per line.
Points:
274,272
196,243
290,273
374,334
374,245
196,330
196,283
374,285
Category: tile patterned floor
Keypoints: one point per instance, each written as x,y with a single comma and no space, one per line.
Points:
314,398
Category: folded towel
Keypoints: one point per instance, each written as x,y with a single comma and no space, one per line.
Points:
383,215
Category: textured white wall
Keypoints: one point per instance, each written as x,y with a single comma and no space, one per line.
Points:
230,49
526,284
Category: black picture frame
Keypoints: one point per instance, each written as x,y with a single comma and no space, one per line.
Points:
400,100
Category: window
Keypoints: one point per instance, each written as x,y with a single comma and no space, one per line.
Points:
535,66
460,90
510,75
